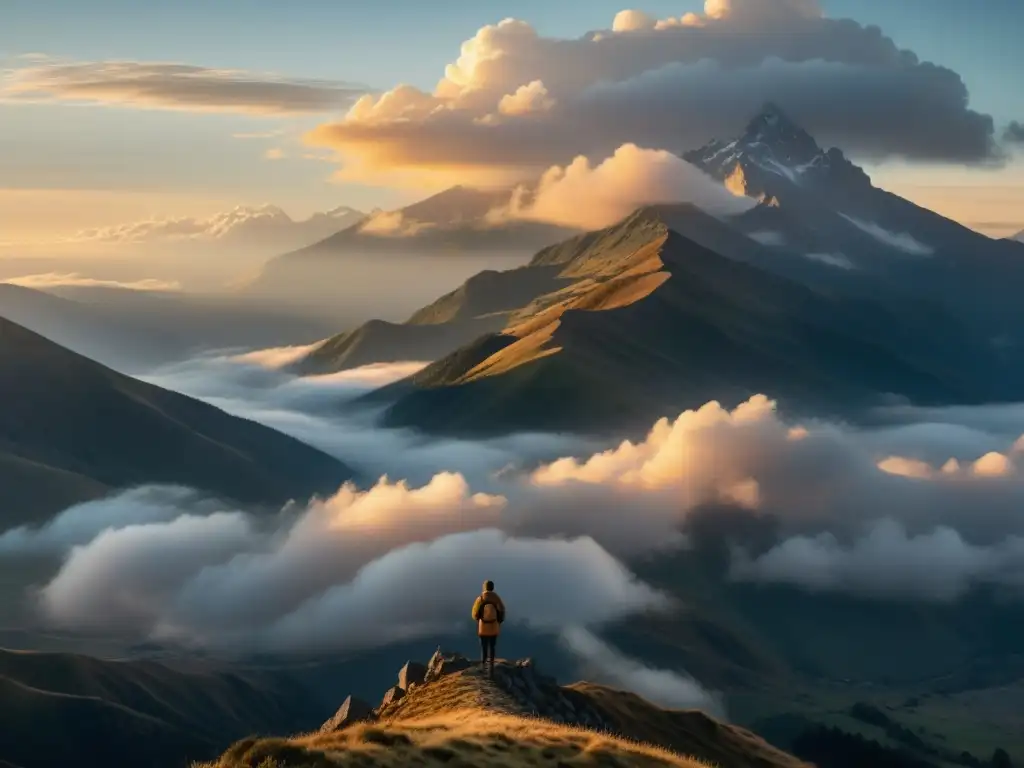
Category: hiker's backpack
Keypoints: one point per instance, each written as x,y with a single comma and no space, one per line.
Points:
488,612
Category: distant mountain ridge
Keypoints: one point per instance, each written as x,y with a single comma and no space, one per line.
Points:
262,226
827,280
655,323
451,225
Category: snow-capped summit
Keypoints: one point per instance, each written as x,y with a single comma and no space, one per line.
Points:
774,149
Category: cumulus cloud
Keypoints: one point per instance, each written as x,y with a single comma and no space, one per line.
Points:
532,97
590,196
902,241
957,509
851,510
334,575
73,279
886,562
81,523
392,223
668,688
663,83
159,85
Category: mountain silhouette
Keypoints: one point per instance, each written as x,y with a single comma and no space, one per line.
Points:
72,430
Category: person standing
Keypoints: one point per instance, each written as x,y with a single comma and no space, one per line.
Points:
489,612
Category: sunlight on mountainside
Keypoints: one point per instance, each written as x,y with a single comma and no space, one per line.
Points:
323,323
452,714
460,738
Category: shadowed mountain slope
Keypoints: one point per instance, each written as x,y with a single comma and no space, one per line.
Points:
60,710
71,430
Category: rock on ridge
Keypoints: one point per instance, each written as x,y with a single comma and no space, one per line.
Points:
352,710
519,686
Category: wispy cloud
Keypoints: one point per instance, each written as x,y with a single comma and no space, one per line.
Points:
167,85
74,280
275,153
258,135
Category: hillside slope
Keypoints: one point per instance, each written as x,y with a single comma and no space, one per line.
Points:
449,713
481,305
653,322
830,293
134,713
72,430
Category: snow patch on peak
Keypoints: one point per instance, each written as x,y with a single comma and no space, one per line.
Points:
837,260
768,238
902,241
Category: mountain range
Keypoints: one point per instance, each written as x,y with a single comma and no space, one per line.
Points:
133,331
454,226
266,228
73,430
830,293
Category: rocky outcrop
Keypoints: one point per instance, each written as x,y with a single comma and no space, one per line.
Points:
352,710
520,686
541,695
413,673
445,663
391,695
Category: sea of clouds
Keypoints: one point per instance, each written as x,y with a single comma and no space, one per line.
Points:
925,507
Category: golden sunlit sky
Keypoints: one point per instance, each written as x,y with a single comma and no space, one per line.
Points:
114,111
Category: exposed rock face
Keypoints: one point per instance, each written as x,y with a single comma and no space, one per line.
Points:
444,663
413,673
351,711
393,694
540,694
519,686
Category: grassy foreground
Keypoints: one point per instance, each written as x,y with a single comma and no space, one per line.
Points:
458,739
464,720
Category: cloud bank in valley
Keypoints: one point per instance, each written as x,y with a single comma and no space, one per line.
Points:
853,516
314,409
515,102
669,688
331,575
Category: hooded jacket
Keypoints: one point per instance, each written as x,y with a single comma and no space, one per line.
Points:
488,628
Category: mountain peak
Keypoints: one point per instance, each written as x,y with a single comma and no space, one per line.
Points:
773,153
772,116
788,143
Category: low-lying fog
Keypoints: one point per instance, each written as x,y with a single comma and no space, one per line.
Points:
924,508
